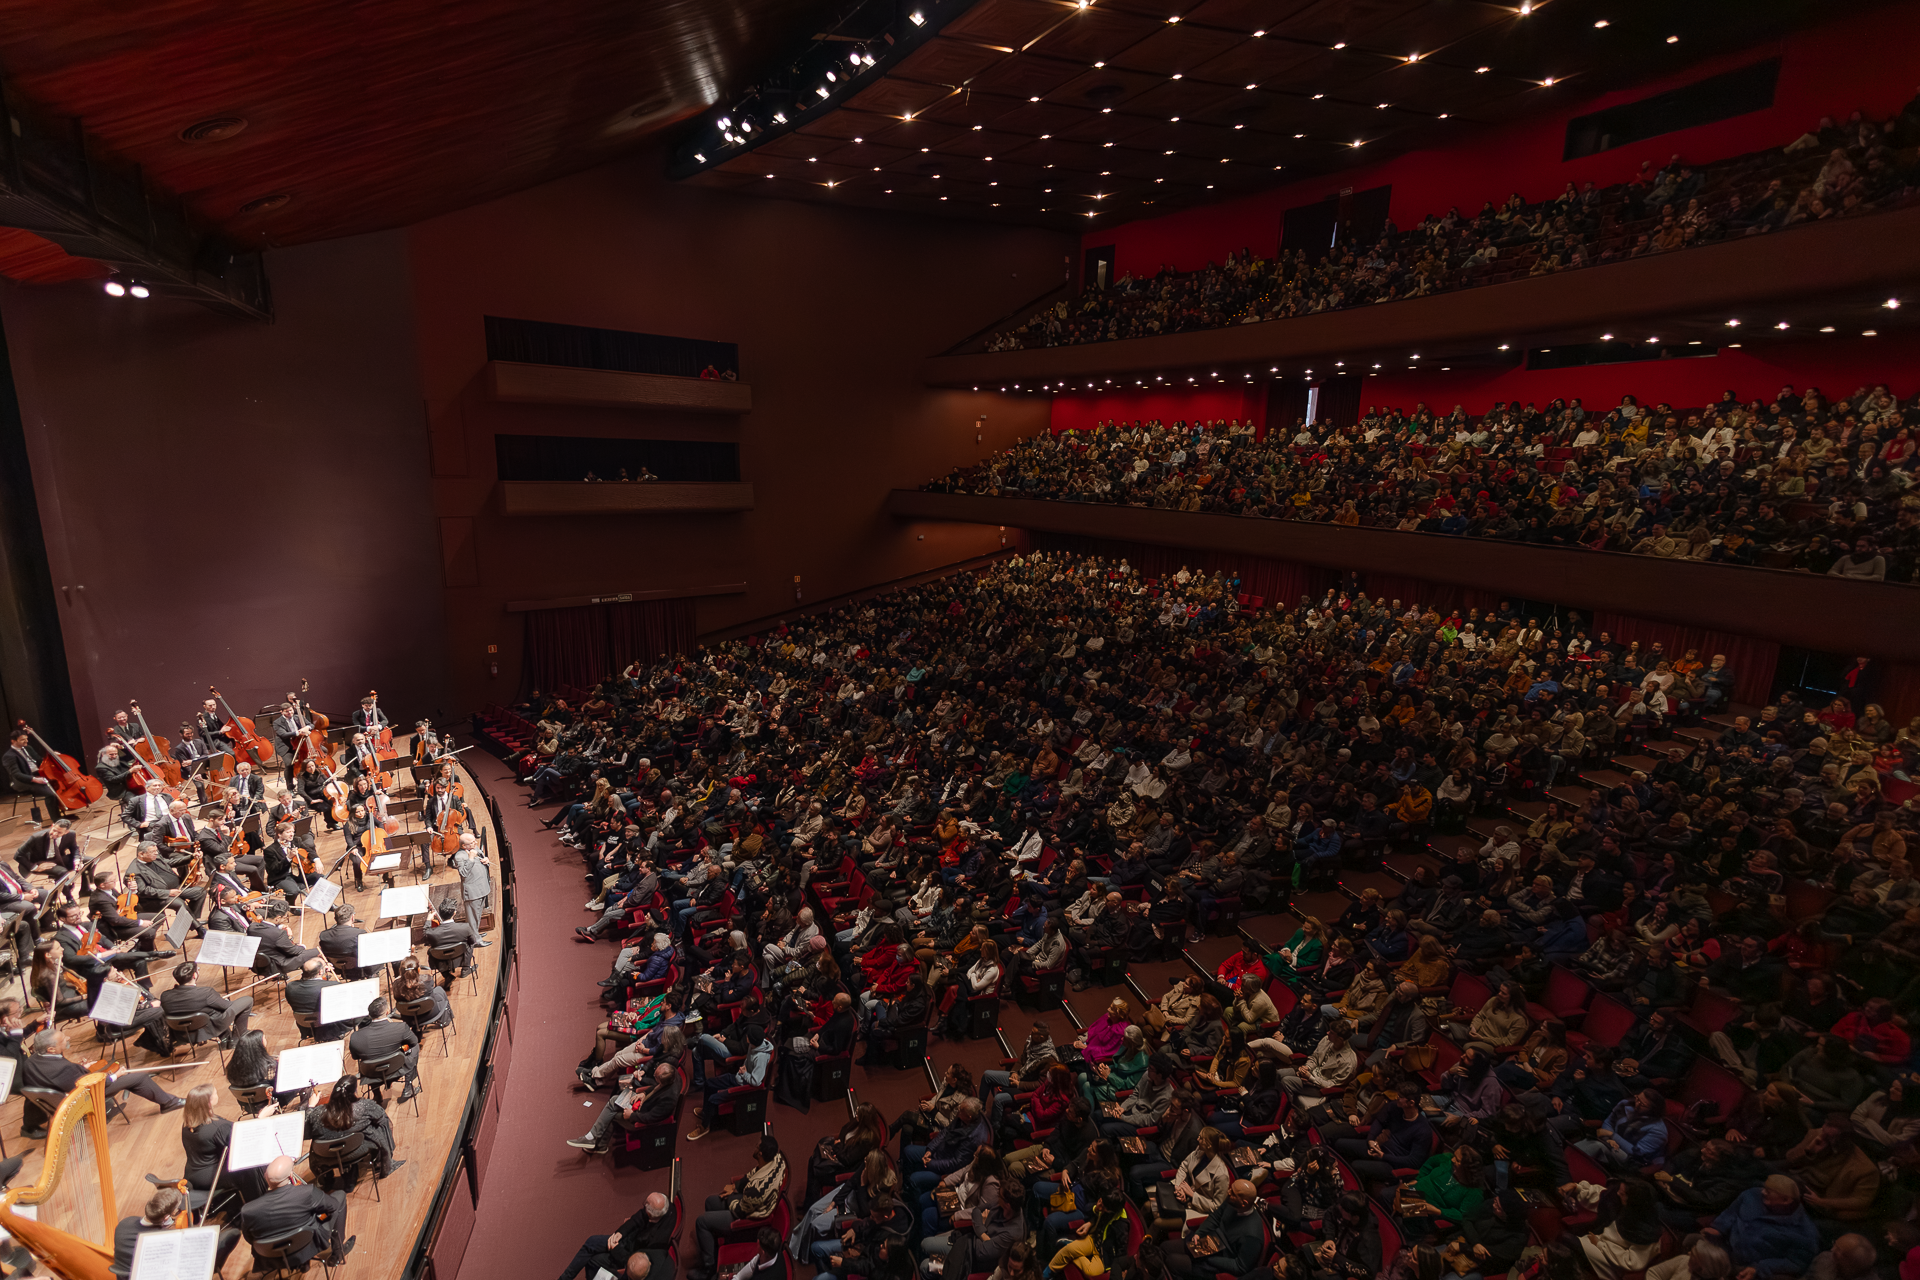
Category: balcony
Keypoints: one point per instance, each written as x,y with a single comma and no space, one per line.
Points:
1844,267
612,498
1832,615
513,383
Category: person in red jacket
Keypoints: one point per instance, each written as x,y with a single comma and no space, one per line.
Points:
1871,1030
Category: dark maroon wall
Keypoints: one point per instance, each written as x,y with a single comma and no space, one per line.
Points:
833,310
230,503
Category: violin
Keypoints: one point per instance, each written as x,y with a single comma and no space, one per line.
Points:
156,753
247,744
74,789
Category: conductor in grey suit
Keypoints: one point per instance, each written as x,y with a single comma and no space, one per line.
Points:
476,882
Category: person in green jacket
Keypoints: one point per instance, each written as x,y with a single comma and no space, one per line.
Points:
1453,1182
1106,1081
1305,949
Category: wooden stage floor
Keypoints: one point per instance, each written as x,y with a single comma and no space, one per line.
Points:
151,1142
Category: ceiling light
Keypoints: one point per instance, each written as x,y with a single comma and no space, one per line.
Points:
832,78
1781,325
1415,356
1358,142
1339,364
1179,76
1653,339
856,55
1034,98
1526,7
1865,333
115,289
726,122
1506,346
1099,64
1601,24
1254,86
876,168
1174,18
1376,366
917,18
779,117
1043,138
813,159
1826,328
1733,346
1480,71
1733,324
1694,343
1174,119
976,128
1606,337
1318,96
1891,304
1341,45
820,89
1166,153
697,156
1673,39
1239,126
1548,82
1159,179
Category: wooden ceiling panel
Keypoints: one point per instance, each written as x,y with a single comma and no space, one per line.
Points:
948,62
1243,15
1099,130
987,142
1008,22
1099,34
1185,98
891,97
847,124
1272,64
1024,78
1106,87
967,108
1178,47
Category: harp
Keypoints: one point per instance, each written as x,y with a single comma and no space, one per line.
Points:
72,1203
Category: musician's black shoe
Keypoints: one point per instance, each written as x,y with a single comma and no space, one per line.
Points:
33,1133
165,955
394,1168
8,1169
340,1252
172,1104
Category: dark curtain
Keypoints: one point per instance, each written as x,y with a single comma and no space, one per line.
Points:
1753,661
1443,596
1339,401
584,645
1899,692
1286,405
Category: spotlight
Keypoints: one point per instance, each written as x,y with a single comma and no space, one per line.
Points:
1891,304
1606,337
1733,324
779,117
832,78
697,156
115,289
820,89
139,290
917,18
857,55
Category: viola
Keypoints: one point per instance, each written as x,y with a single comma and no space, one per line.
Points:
247,744
74,789
156,753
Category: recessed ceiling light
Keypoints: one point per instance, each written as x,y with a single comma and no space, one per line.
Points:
976,128
1781,325
1548,82
1179,75
1505,346
1174,119
1166,153
1606,337
1380,106
1034,98
1174,18
1891,304
769,175
1826,328
1480,71
1043,138
1358,142
1673,39
1159,179
1414,356
1694,343
1299,135
1239,126
1526,7
1099,64
1445,114
1223,159
1653,339
1733,346
1258,34
1865,333
814,159
1600,25
1341,45
1253,86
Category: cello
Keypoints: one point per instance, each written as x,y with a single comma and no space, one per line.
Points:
74,789
247,745
156,754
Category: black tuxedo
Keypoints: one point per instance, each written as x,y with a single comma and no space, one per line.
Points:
223,1015
378,1039
156,884
105,909
141,811
303,997
341,945
449,934
254,788
212,729
287,1209
42,847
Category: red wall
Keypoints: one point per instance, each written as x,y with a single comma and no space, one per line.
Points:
1080,412
1837,368
1831,70
813,296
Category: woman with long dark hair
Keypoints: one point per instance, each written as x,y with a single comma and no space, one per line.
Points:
346,1112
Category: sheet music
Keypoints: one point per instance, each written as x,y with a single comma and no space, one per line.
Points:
177,928
262,1140
117,1003
348,999
385,862
186,1254
385,946
234,950
409,900
7,1067
321,896
309,1064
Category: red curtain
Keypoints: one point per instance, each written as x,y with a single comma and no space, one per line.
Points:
1753,661
1899,692
583,646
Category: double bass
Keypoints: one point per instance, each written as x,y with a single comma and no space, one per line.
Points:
74,789
312,726
156,754
452,821
247,744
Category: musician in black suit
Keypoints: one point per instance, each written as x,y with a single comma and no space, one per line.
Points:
277,861
228,1017
163,1207
22,762
114,766
382,1036
303,997
47,1067
361,758
147,810
103,904
370,716
441,933
247,789
341,944
290,1206
158,885
94,970
54,843
192,748
212,725
278,952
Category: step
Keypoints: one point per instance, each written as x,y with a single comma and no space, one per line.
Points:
1645,764
1569,793
1605,779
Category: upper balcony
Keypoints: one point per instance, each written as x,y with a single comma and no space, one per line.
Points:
1840,270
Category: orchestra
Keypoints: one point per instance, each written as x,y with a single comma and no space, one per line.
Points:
218,831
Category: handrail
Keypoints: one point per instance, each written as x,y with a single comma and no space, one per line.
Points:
1015,316
419,1259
